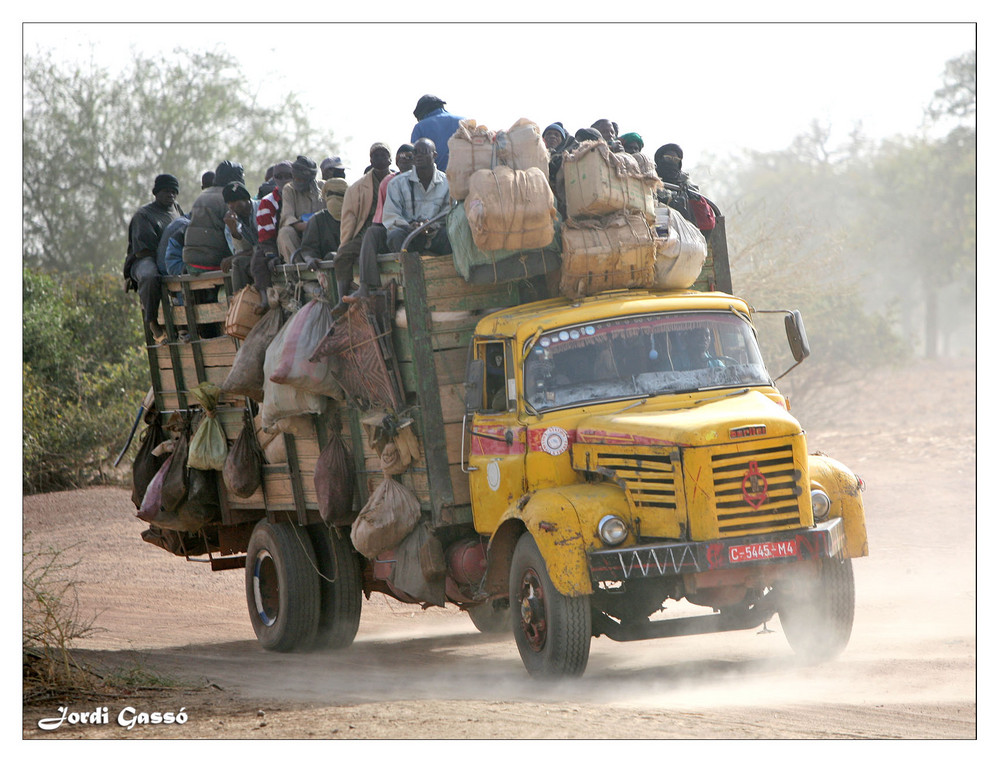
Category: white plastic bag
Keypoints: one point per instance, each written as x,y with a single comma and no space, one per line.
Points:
680,254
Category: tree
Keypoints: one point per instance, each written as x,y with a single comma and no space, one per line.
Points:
957,96
93,143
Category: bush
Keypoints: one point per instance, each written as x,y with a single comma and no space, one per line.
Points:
51,623
84,374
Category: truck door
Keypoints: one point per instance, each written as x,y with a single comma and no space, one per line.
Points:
496,439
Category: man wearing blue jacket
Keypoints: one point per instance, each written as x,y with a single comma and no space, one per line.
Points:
435,123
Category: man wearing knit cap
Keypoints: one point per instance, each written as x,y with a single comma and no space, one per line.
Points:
205,242
632,142
360,203
144,233
332,167
435,123
300,200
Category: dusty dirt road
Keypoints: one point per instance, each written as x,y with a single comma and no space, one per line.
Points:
908,673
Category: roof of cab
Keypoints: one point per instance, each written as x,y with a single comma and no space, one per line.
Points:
525,320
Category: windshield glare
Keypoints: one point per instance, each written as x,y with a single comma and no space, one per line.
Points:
640,356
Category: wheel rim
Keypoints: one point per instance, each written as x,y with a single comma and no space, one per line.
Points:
265,587
531,599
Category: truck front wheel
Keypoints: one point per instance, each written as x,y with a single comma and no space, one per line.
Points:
282,587
552,631
817,618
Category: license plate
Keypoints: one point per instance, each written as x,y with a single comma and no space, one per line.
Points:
755,552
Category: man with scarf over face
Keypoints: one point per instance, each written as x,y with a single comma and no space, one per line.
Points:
322,235
241,225
300,200
679,193
144,233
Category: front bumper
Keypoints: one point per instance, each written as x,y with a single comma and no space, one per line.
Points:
824,541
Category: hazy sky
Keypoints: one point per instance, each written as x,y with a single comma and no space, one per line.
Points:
713,88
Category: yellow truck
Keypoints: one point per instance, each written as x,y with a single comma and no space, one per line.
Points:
584,468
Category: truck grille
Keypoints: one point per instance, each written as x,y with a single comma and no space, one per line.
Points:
756,491
648,477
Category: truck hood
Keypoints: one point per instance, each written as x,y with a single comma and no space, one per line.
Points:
742,417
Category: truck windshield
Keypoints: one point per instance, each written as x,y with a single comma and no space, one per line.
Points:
641,356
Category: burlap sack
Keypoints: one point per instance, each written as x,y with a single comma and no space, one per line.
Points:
522,147
391,513
599,182
469,149
617,252
510,209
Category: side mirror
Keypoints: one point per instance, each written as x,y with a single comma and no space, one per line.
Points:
795,330
474,374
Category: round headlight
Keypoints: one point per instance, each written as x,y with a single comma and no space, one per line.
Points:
821,504
612,530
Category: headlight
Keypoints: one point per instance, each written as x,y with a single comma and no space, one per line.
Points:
612,530
821,504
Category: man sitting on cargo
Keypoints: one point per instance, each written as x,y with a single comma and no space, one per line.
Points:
322,236
205,244
265,255
144,233
300,200
609,131
332,167
632,143
435,123
241,230
415,197
375,240
360,204
679,192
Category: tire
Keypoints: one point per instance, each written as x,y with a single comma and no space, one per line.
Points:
339,588
817,619
282,587
491,617
552,631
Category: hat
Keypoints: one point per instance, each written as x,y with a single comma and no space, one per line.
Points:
669,148
631,137
427,104
227,172
166,183
235,192
331,161
303,165
558,127
381,145
588,133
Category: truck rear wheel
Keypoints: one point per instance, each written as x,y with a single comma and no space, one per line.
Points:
552,631
817,618
491,617
282,587
339,589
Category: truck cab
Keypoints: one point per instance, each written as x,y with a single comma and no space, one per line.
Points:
631,447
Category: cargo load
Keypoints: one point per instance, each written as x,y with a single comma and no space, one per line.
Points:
599,182
501,265
511,209
469,149
521,146
614,252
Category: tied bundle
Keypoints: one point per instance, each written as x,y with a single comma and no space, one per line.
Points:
208,447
